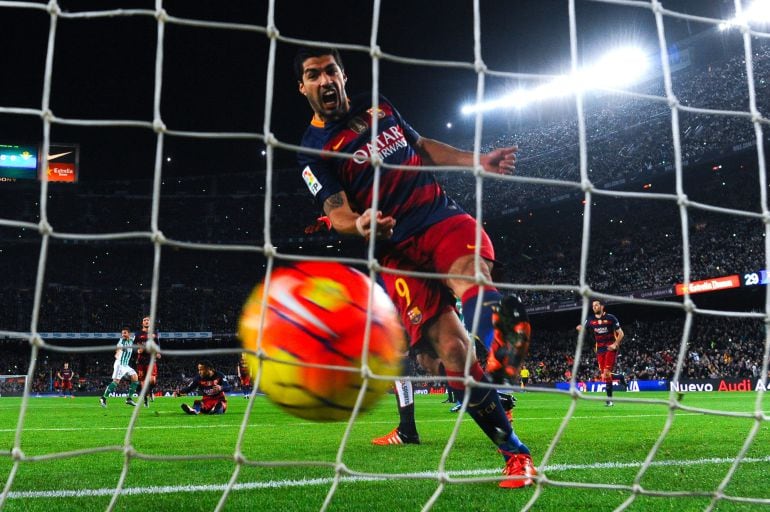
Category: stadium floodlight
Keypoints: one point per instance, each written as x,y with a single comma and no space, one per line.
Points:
617,68
758,12
620,67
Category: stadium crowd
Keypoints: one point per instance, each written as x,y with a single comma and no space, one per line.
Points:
629,142
636,244
717,347
628,137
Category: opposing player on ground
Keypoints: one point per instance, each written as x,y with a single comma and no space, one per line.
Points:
421,229
121,368
65,376
143,359
607,337
212,385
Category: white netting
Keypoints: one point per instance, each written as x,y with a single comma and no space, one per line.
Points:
46,228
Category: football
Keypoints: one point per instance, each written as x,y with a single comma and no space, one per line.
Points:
312,340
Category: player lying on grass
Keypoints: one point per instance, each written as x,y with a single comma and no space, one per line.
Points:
212,385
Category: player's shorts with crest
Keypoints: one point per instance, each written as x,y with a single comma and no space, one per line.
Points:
66,384
419,300
208,405
121,370
606,359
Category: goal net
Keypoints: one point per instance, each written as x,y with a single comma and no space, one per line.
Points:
609,157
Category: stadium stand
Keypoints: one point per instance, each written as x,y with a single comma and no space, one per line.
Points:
636,245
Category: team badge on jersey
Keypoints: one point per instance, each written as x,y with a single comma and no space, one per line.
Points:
380,113
311,181
358,125
415,315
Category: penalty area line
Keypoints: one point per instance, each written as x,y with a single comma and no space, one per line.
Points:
277,484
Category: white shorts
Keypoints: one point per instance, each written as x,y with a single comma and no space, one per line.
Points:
120,370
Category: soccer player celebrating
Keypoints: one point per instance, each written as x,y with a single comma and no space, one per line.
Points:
143,359
420,230
212,385
65,375
122,369
607,337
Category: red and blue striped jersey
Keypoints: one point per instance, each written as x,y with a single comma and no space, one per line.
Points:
413,198
143,357
603,329
207,385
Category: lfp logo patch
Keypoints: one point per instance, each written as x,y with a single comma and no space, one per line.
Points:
311,181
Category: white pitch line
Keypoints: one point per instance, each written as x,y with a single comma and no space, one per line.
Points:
277,484
362,422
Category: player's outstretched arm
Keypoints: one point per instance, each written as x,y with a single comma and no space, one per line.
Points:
499,161
193,384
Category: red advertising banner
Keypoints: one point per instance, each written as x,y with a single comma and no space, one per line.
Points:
710,285
62,163
61,172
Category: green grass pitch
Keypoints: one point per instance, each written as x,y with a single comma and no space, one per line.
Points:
600,446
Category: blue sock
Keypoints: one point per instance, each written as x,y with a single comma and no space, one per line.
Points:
514,445
486,410
490,298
